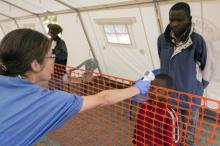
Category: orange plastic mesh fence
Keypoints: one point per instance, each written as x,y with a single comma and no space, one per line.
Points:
165,119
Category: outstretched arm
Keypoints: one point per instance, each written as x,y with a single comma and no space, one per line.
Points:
109,97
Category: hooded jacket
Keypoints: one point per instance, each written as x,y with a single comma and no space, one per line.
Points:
186,62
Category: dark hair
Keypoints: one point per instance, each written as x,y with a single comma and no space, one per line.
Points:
163,80
182,6
55,27
19,48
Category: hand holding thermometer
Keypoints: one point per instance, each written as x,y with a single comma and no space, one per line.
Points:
141,84
148,76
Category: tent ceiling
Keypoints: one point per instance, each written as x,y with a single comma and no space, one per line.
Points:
23,8
2,17
38,6
88,3
11,11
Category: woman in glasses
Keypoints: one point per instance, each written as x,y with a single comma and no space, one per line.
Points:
28,111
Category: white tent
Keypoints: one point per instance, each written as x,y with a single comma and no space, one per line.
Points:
86,24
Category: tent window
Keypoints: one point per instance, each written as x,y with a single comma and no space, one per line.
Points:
117,34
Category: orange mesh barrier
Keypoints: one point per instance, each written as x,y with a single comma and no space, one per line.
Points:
163,120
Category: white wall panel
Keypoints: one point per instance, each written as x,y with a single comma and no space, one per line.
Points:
38,6
3,17
11,11
123,61
211,30
8,26
94,39
73,35
1,34
152,31
86,3
34,23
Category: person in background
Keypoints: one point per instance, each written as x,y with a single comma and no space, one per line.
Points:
60,49
156,122
183,56
28,111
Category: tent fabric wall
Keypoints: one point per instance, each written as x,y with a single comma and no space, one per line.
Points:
35,7
11,11
8,26
211,30
152,31
3,17
1,32
130,59
72,33
126,62
33,23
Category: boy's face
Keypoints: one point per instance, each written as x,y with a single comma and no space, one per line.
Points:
157,92
157,82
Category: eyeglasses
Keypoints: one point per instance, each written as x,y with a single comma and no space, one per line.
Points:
53,56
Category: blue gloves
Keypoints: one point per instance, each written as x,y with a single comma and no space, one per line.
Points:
143,86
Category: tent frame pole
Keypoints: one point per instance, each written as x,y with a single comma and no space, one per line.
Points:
36,15
11,19
85,32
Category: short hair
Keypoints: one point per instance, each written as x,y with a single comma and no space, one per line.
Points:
19,48
163,80
182,6
55,27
